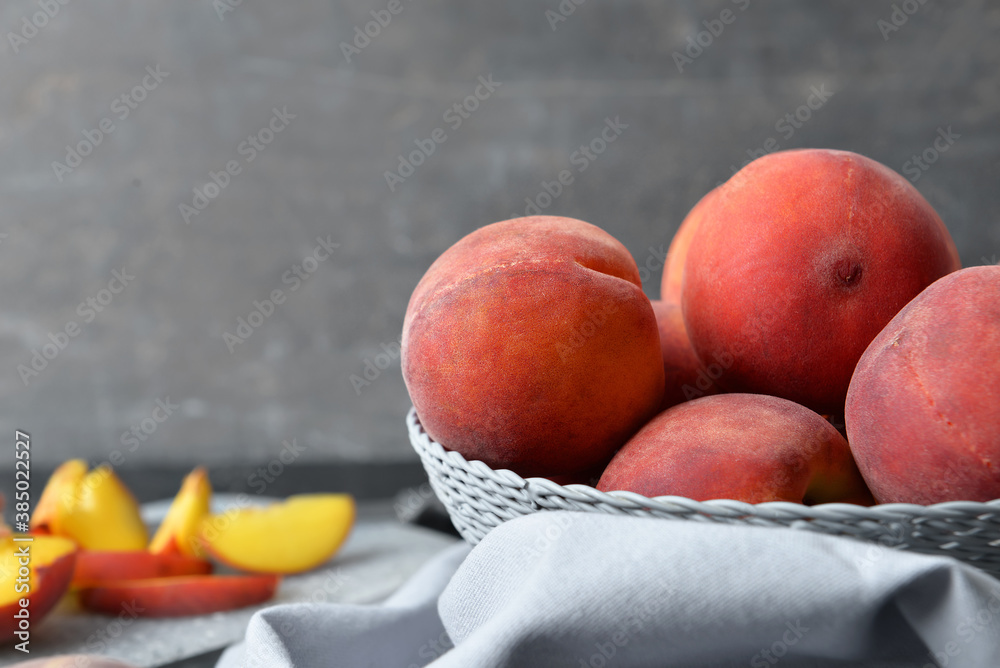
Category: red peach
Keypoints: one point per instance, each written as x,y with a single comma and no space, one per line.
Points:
923,409
748,447
673,272
531,346
800,259
684,375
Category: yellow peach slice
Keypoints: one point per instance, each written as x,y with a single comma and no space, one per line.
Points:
100,514
293,536
63,481
179,530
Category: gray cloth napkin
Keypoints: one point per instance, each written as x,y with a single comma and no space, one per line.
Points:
587,590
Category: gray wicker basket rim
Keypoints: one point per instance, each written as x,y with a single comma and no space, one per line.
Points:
541,487
479,498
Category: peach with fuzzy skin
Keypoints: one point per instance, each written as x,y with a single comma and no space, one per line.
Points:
800,259
923,409
685,377
531,346
748,447
673,271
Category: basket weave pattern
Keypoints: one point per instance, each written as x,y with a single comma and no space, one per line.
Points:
479,499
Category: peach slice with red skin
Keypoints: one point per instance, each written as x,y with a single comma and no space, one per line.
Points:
93,567
50,561
179,530
180,596
293,536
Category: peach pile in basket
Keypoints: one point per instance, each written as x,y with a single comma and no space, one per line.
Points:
813,287
88,538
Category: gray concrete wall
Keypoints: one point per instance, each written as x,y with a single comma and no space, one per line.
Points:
66,233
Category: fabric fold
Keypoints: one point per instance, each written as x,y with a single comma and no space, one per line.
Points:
579,589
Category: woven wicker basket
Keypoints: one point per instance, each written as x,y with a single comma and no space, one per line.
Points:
479,498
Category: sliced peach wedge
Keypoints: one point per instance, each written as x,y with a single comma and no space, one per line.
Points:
38,571
98,512
179,596
94,567
178,533
292,536
62,482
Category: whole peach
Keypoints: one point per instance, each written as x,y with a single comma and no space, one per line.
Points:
673,272
530,345
923,409
747,447
800,259
685,377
